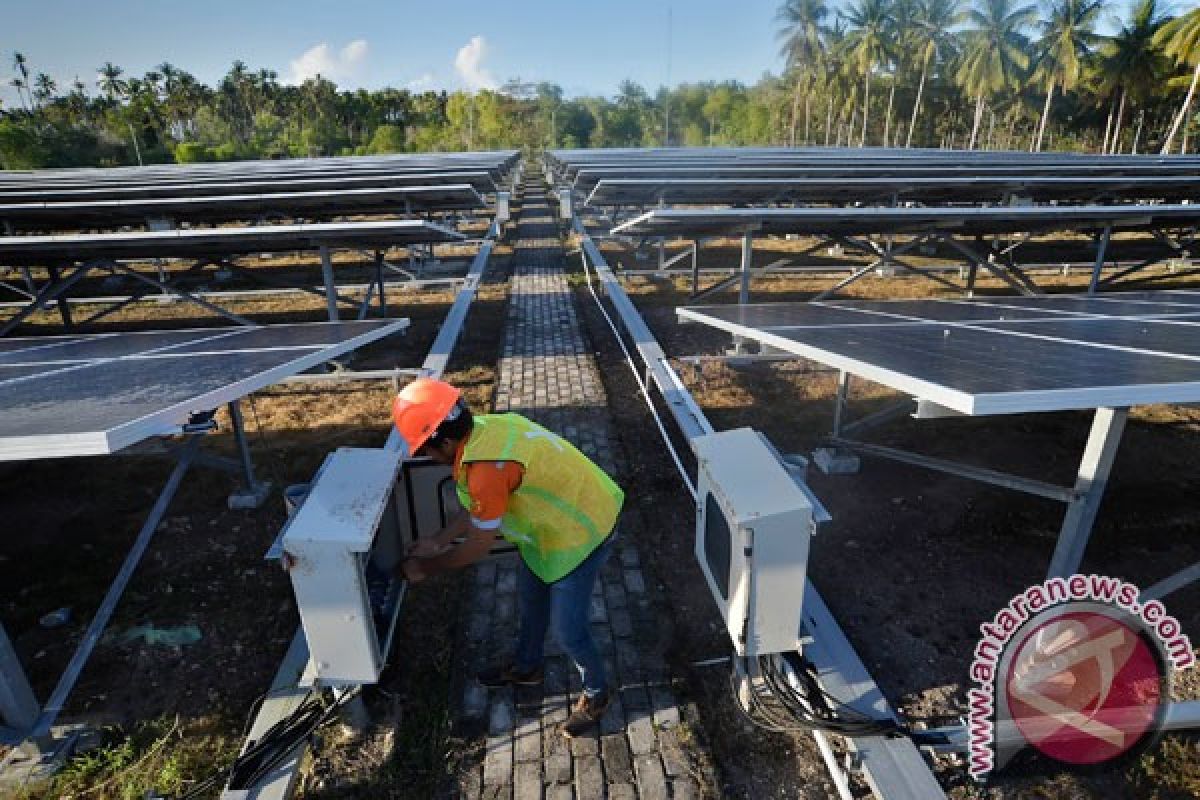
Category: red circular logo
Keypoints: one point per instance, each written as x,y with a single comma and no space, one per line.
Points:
1084,687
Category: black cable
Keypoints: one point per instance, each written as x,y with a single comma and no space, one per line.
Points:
276,744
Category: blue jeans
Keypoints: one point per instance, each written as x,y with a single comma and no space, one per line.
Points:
567,601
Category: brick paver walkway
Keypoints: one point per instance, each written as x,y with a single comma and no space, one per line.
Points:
548,374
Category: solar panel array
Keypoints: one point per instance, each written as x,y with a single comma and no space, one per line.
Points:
97,394
392,185
994,355
805,177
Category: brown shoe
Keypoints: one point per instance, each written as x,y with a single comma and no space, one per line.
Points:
509,675
587,712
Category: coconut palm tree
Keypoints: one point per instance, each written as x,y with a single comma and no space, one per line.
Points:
1180,41
1130,65
110,82
21,65
932,21
802,24
868,45
1068,36
995,52
44,88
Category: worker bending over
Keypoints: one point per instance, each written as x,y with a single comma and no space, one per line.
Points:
520,481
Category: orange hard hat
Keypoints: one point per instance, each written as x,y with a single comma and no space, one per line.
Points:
421,407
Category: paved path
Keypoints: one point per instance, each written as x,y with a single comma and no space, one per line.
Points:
547,373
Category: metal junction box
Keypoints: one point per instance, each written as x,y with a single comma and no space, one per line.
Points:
343,545
342,539
752,538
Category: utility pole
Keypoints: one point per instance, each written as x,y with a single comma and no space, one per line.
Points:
667,97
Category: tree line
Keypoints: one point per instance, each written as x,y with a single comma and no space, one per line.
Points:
976,74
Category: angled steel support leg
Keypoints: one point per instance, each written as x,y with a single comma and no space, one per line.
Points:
191,298
253,494
1098,457
18,705
64,308
1101,252
52,290
974,259
91,637
330,287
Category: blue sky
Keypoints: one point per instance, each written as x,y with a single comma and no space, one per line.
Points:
584,47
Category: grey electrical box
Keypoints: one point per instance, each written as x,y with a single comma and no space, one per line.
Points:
754,523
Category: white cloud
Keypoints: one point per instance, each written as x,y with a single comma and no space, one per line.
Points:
420,83
469,64
344,65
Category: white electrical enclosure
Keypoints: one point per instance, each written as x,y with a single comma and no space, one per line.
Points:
564,204
752,538
330,545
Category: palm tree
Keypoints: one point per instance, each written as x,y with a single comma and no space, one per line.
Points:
995,52
868,45
1180,40
931,24
110,82
1068,36
44,88
803,49
21,65
1130,64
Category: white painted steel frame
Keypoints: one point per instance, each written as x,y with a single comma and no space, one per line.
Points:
894,767
297,675
977,404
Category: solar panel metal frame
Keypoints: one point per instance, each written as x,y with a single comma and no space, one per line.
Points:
168,420
975,403
830,221
632,192
456,197
192,242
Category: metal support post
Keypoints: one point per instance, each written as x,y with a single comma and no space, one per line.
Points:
1094,469
1101,251
747,258
330,287
18,705
64,309
383,311
254,494
839,407
99,622
695,266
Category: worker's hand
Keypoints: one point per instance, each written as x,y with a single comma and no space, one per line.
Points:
425,548
412,571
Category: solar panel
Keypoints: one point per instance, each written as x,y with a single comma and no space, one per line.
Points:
36,250
831,221
627,192
93,395
1013,355
241,206
480,181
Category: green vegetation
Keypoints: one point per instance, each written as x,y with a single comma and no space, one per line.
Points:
995,74
159,756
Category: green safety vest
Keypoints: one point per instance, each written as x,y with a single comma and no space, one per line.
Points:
565,506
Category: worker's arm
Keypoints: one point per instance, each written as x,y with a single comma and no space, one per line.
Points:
455,529
477,545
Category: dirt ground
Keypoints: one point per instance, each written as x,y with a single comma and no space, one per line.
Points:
911,564
72,521
914,560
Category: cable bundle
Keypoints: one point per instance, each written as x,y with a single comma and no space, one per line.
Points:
276,744
778,704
